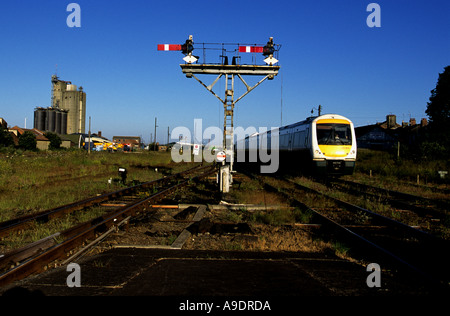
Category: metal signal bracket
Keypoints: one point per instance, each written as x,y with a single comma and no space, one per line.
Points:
229,102
193,68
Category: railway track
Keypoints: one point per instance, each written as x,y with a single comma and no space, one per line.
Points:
436,209
412,255
23,222
121,206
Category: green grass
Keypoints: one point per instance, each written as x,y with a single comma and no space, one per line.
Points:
388,166
34,181
273,217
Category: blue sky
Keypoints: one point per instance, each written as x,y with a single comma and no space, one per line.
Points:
329,56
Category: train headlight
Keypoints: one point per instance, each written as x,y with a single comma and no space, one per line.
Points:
317,152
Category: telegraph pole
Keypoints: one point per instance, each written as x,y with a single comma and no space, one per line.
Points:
154,143
168,136
89,145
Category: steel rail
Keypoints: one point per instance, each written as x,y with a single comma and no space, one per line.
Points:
399,196
382,220
426,242
366,248
75,236
20,222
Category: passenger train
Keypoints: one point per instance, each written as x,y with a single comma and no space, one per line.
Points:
322,145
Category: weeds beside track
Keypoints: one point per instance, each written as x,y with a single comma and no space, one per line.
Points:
36,256
371,237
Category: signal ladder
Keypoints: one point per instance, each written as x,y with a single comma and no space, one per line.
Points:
228,136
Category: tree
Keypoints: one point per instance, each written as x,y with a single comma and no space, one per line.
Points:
5,138
55,141
438,109
27,141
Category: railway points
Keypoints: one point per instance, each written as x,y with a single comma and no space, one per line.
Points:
256,253
405,249
35,257
221,228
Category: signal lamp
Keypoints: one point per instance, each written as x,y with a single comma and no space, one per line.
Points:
188,47
269,49
123,174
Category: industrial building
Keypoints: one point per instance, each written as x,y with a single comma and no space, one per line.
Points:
132,141
42,143
51,120
67,113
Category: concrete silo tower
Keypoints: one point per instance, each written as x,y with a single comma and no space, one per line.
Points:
65,96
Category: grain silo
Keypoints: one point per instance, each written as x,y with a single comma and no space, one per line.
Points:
67,113
50,121
39,118
67,98
63,122
58,122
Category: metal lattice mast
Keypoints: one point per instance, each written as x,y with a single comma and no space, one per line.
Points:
191,68
228,117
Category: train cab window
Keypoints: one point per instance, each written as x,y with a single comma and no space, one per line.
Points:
334,134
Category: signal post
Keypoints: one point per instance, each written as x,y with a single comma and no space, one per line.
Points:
229,71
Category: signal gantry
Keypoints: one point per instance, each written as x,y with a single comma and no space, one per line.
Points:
191,68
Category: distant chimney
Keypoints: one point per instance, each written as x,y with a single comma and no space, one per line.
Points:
99,134
391,121
423,122
412,121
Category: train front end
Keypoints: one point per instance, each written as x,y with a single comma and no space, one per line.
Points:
333,145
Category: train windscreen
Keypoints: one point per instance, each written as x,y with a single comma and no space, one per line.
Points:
334,134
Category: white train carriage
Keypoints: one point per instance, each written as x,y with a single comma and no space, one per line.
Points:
318,145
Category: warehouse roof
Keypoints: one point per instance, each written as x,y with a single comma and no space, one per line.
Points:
39,134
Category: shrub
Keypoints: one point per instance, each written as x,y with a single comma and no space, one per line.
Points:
55,141
6,139
27,141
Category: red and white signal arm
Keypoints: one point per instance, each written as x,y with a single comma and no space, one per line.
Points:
221,156
169,47
251,49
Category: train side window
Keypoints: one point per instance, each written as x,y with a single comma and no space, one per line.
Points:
284,141
296,139
302,139
306,137
299,139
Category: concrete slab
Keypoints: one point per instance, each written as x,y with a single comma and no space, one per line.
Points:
168,272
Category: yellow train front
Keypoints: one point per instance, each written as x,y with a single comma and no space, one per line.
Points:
333,145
